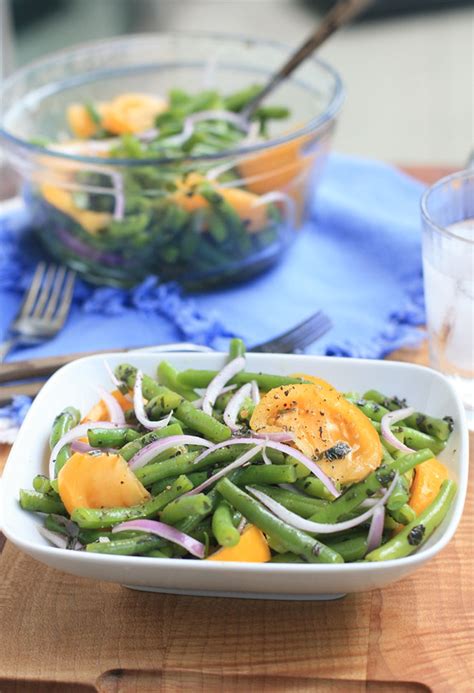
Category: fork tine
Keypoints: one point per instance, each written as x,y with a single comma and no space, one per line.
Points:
55,294
65,299
306,333
44,292
299,336
31,296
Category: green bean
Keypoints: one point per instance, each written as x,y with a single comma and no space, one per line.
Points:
418,440
131,449
63,423
372,410
265,474
155,471
127,373
162,403
42,484
373,482
167,375
439,428
184,464
417,532
287,557
165,552
202,378
301,505
62,525
41,503
204,424
111,437
196,478
223,527
239,99
278,457
183,507
402,515
94,518
295,540
236,348
400,494
412,438
351,548
131,546
247,409
314,487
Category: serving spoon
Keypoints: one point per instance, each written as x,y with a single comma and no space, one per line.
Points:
342,13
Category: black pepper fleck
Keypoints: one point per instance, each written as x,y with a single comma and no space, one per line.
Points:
415,537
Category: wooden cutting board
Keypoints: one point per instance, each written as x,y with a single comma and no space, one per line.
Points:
60,633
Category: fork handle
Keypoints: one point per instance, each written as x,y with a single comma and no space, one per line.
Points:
7,346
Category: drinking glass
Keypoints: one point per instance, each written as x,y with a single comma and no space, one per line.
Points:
447,210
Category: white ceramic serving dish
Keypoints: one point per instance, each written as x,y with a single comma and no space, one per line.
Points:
75,384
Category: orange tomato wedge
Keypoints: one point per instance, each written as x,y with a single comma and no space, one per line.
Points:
275,168
252,548
319,416
99,411
99,481
80,121
129,113
427,481
63,200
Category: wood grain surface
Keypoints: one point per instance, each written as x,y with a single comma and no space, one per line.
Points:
61,633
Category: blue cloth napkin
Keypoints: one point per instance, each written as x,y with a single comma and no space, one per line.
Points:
358,259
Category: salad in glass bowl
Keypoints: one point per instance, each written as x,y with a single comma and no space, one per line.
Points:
137,161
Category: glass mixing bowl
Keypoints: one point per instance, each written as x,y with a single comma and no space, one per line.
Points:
117,220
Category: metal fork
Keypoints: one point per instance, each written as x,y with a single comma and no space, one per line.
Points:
44,309
298,337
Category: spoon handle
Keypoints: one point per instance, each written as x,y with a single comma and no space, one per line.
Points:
340,14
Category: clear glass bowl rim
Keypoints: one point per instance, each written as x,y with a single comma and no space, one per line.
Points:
310,126
426,216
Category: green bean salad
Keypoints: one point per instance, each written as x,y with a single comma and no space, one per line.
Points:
232,465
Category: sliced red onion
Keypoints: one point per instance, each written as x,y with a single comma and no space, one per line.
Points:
190,122
80,446
368,503
318,527
392,418
374,538
76,432
146,454
255,392
265,457
287,200
234,405
160,529
219,381
55,538
119,209
217,171
140,407
198,402
277,436
239,462
309,464
116,414
229,116
147,135
118,383
241,526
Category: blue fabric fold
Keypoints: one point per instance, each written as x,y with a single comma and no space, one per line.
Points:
358,258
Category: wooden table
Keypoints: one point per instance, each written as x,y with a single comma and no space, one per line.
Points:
63,633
